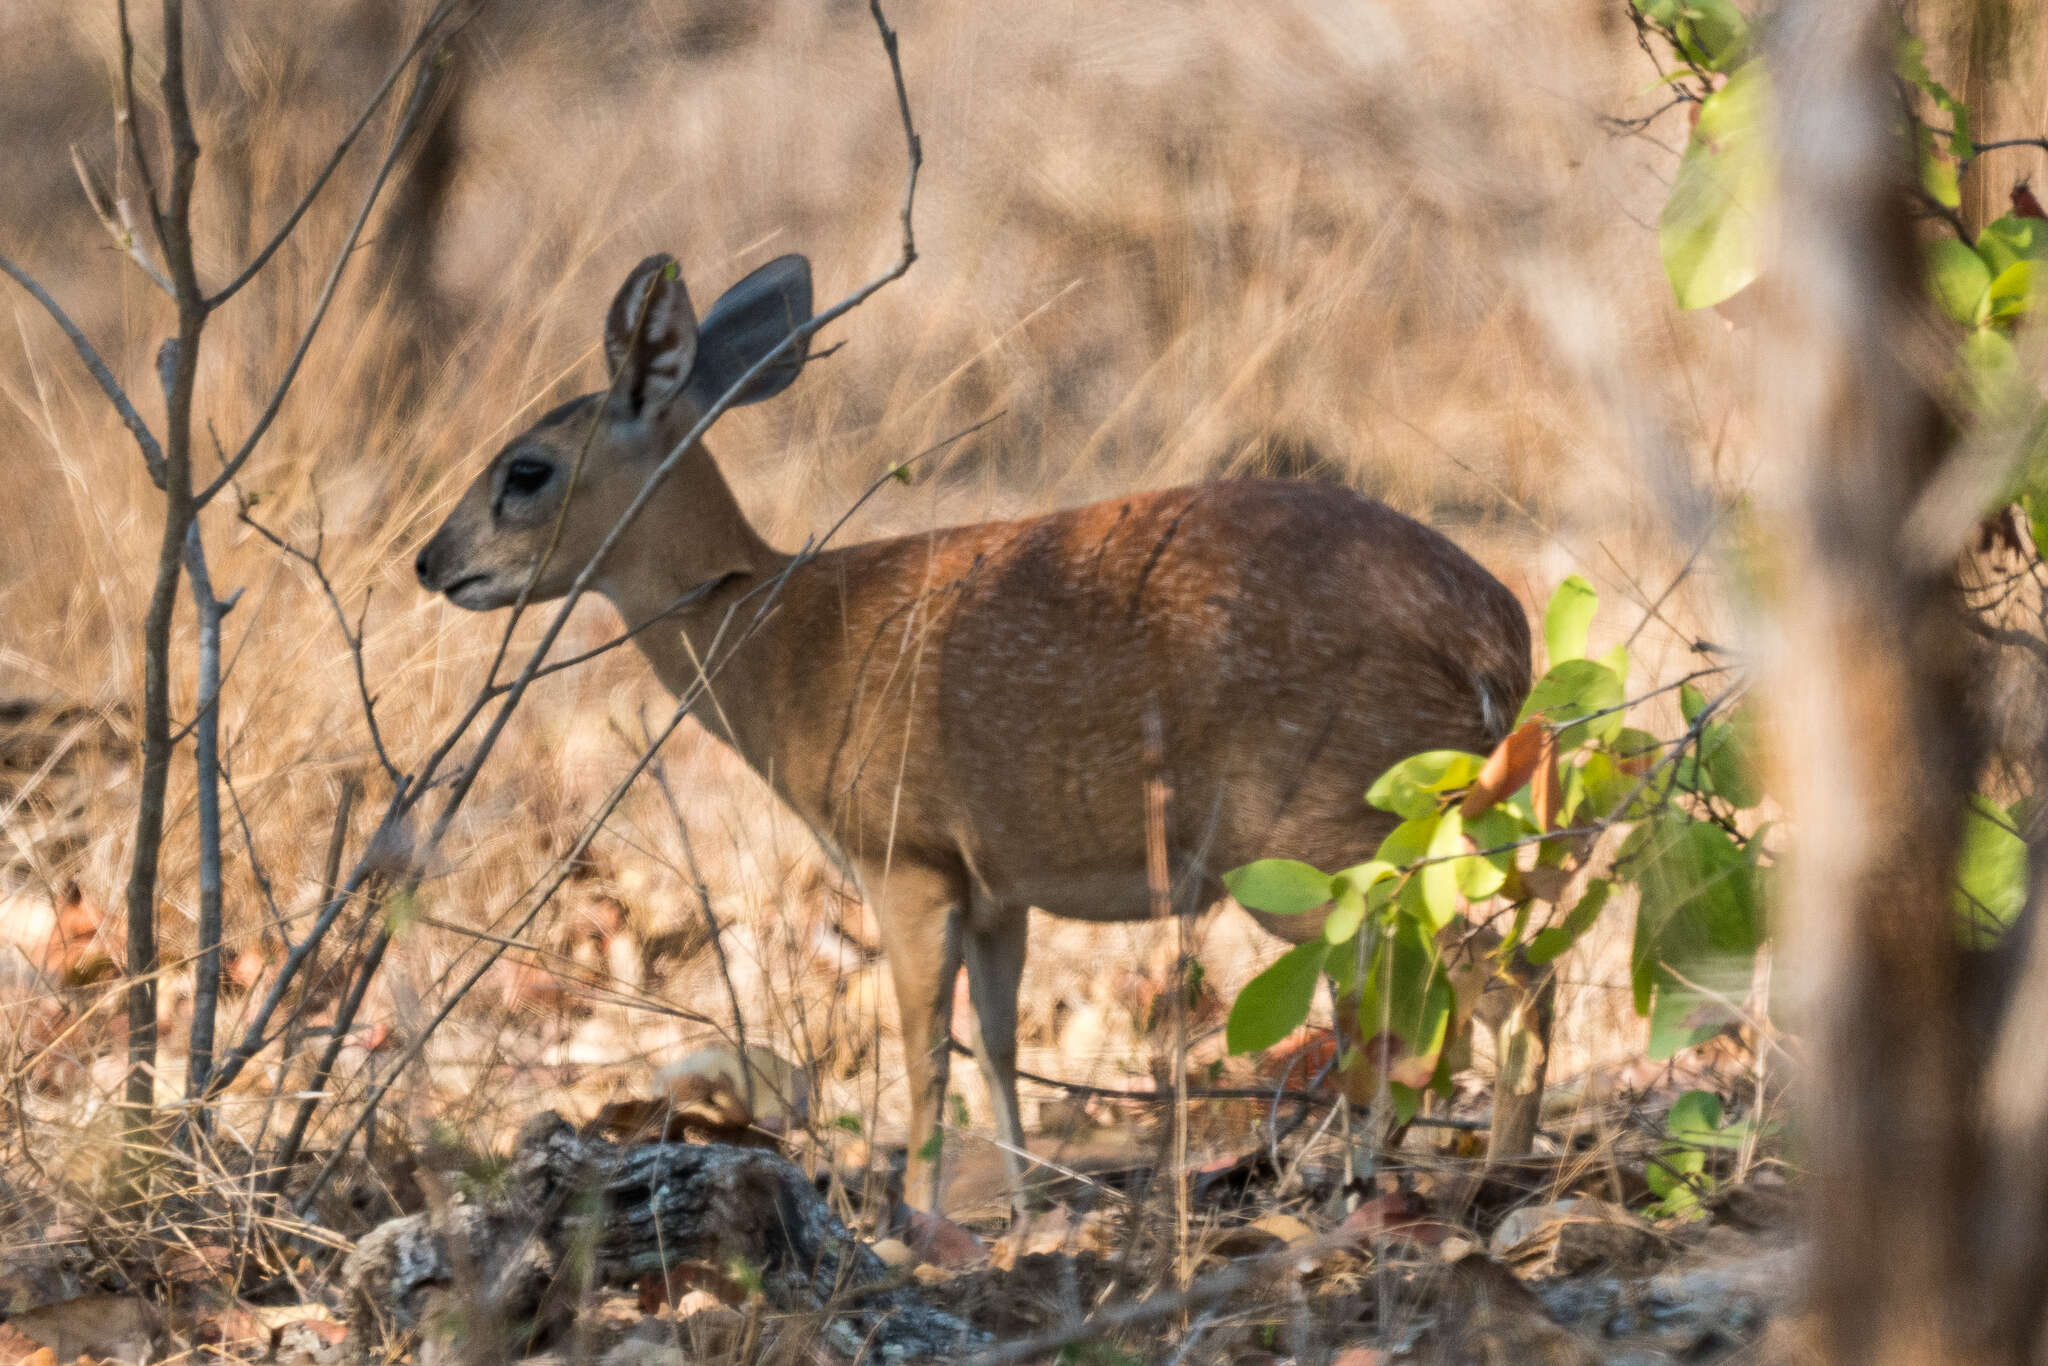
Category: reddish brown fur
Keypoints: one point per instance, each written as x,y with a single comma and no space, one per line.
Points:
960,713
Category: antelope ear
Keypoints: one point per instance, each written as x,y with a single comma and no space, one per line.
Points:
748,321
650,338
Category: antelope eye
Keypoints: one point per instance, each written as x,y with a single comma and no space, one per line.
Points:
524,476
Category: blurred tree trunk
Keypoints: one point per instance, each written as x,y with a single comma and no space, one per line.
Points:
1927,1073
1870,682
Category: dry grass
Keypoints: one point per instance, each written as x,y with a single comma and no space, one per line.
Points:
1165,242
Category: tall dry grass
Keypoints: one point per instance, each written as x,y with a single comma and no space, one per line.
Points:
1367,242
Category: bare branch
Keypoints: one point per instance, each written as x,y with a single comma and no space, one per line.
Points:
125,116
206,761
1982,147
115,218
353,636
152,453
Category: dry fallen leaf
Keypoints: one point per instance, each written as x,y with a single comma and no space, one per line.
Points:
710,1088
1284,1227
1394,1214
894,1252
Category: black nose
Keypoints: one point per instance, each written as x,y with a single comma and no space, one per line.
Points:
421,568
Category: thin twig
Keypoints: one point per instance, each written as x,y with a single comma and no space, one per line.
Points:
125,116
1977,149
1159,884
713,931
152,453
118,222
353,636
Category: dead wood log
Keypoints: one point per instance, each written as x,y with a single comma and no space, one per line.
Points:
576,1214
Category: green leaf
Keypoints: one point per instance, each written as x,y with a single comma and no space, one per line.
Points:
1712,33
1361,890
1552,942
1412,787
1958,277
2009,240
1344,968
2012,290
1597,789
1666,1176
1496,828
1408,841
1407,995
1440,880
1719,33
1728,756
1912,65
401,911
1691,702
1694,1115
1407,1101
1991,873
1937,172
1634,746
1275,1003
1278,886
1567,619
1698,927
1707,234
1347,914
1574,689
1998,384
2036,508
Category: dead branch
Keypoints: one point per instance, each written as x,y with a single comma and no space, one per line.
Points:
635,1212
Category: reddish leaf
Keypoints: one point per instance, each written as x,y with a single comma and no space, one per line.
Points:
1394,1214
1512,764
2024,204
1546,792
941,1242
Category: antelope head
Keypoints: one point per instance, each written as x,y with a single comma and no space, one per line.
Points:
550,497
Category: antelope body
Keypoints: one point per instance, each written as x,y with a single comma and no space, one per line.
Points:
962,713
